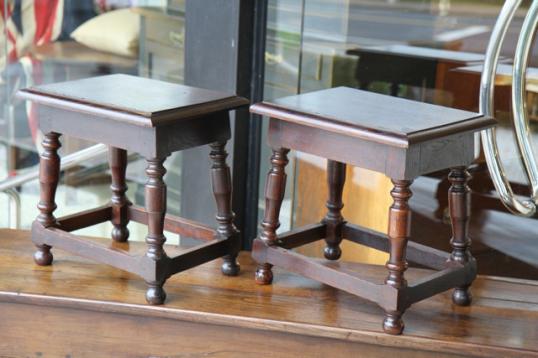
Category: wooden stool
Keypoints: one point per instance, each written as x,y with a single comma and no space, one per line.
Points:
151,118
400,138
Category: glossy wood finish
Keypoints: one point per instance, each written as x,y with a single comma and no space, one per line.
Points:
399,232
118,165
155,194
207,314
274,194
136,100
460,212
49,176
337,124
420,67
154,119
414,123
336,177
221,180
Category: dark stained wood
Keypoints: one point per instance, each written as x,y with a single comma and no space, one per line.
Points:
85,219
49,176
399,231
302,235
415,252
460,213
329,273
149,142
420,67
154,119
274,194
156,211
221,180
458,57
207,314
146,102
371,116
336,177
395,161
175,224
348,126
120,203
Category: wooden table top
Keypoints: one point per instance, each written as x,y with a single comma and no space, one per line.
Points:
503,321
367,115
421,53
504,74
154,100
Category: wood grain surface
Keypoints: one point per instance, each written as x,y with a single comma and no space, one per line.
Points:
154,100
79,308
372,116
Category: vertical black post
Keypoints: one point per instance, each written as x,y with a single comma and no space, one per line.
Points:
224,50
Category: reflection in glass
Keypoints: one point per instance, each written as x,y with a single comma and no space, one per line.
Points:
423,50
46,41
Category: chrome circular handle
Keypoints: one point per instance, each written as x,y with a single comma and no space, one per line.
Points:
489,140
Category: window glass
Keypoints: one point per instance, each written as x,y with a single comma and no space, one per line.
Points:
46,41
423,50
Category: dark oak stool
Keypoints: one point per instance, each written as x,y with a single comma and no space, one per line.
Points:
154,119
400,138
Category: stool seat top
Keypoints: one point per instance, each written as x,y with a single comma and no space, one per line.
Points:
373,117
141,101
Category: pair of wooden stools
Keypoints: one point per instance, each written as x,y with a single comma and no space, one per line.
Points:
400,138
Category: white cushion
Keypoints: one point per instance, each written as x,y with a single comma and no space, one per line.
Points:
115,32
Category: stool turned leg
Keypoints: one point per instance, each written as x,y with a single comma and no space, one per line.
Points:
399,227
49,176
156,210
336,177
459,197
118,165
274,194
222,189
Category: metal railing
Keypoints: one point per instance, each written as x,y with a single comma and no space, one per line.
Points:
69,161
525,206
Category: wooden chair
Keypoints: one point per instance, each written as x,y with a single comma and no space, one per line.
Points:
400,138
151,118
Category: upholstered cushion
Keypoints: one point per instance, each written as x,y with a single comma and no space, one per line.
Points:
115,32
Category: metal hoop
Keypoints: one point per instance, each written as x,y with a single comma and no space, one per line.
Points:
489,140
521,120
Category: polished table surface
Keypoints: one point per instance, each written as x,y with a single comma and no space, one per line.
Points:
503,321
504,74
420,53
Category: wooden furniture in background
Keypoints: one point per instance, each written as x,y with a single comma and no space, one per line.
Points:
210,315
151,118
409,65
349,126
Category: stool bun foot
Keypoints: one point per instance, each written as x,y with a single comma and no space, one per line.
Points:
120,234
155,295
264,274
393,323
230,267
43,256
332,253
462,296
